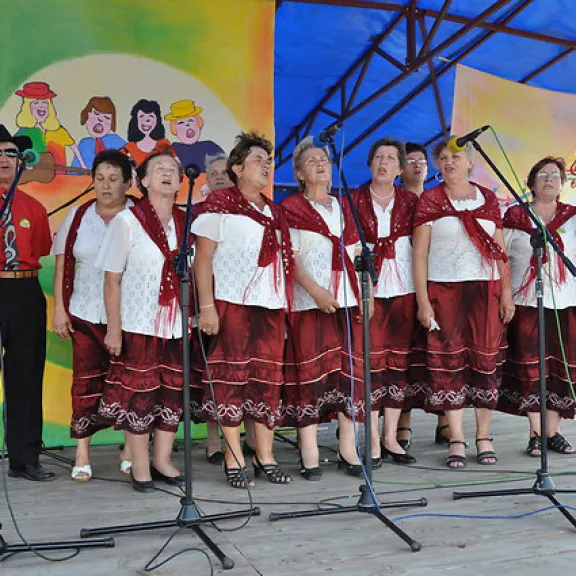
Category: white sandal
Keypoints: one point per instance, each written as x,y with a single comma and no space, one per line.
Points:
82,473
125,466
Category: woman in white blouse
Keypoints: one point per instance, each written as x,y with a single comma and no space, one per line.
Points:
464,298
519,393
143,392
79,299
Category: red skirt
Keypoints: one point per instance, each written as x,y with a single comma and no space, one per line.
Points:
143,389
245,366
312,368
90,361
519,392
458,365
392,330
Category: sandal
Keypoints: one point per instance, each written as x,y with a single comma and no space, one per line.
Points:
456,460
440,438
404,442
125,466
486,457
558,443
237,477
274,473
82,473
534,445
215,458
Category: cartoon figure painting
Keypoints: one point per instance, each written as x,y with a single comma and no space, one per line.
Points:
99,118
146,133
38,120
186,124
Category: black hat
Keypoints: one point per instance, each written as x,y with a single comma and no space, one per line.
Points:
22,142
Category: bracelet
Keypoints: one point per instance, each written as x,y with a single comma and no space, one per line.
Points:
207,306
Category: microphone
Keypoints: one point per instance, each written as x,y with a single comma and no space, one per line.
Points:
457,144
325,137
192,171
29,157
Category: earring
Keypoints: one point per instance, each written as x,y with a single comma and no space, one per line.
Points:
439,177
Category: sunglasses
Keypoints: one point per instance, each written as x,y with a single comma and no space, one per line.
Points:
10,153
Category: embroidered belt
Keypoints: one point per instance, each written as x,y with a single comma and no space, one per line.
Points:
17,274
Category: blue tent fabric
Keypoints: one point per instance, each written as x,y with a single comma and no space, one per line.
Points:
316,44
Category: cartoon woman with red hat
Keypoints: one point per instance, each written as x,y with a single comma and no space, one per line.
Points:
37,119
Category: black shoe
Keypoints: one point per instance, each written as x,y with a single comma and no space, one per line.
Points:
405,443
312,474
215,458
172,480
146,486
351,469
376,463
33,472
397,458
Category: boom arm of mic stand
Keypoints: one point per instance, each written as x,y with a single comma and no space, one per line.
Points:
568,263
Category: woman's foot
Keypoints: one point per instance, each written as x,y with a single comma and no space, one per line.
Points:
82,473
404,437
485,452
166,469
534,447
442,435
125,461
457,455
559,444
396,453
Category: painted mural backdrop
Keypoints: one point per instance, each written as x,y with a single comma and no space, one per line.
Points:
530,122
179,75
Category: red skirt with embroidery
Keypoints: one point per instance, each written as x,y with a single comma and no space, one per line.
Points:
143,389
90,361
245,366
392,331
458,365
519,392
312,368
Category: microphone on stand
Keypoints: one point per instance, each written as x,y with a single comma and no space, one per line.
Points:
458,143
29,157
325,137
192,171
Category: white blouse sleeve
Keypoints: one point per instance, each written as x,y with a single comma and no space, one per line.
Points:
113,254
509,234
295,239
209,226
59,245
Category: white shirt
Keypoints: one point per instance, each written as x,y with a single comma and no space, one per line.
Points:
87,300
520,252
127,249
453,257
315,251
395,278
237,276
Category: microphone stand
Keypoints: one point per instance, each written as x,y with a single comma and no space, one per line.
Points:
544,485
368,502
6,549
189,515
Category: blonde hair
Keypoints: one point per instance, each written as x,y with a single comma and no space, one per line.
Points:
25,118
198,117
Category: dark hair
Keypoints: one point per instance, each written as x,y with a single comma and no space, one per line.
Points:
242,147
148,107
559,162
388,142
142,170
413,147
114,158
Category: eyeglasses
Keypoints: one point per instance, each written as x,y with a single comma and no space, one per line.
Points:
553,175
10,153
413,162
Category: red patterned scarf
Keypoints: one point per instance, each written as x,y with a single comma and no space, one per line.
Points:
232,201
517,219
400,222
302,216
435,204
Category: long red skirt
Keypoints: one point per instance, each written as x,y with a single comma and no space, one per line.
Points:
392,331
143,389
245,366
90,361
458,365
519,392
312,368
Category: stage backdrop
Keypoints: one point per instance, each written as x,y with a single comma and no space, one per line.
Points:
117,73
530,122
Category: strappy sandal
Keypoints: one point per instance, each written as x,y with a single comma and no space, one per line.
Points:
404,442
82,473
273,472
237,477
534,445
486,457
440,438
456,461
558,443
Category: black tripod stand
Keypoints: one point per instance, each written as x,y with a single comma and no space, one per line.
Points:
544,485
189,515
368,501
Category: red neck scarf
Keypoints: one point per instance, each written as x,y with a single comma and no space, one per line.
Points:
435,204
302,216
400,222
517,219
232,201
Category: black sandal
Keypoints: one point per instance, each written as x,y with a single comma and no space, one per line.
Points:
486,457
215,458
236,477
534,444
558,443
274,473
439,438
312,474
404,442
457,459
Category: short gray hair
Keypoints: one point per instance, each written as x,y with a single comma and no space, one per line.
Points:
302,146
211,158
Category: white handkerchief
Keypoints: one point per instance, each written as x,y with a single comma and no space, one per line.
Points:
433,325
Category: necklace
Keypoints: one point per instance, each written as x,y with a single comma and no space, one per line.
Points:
326,203
381,197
